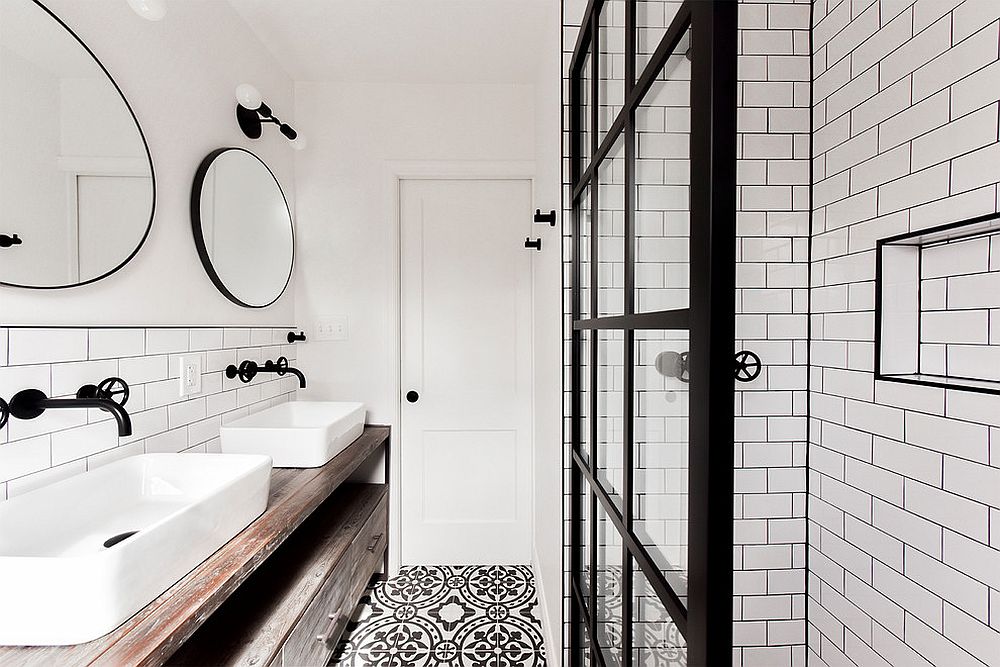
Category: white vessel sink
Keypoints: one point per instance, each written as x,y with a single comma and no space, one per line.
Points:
300,434
60,584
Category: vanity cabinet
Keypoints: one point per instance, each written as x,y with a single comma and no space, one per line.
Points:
279,593
294,609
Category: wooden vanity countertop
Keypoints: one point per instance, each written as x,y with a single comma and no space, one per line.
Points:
152,635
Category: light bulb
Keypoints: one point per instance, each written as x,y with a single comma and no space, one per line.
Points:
248,96
299,142
151,10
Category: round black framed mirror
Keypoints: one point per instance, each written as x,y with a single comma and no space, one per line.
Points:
77,191
242,227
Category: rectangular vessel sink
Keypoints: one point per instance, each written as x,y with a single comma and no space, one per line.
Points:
81,556
300,434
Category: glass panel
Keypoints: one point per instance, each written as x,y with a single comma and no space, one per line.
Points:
584,90
656,641
609,589
586,394
610,405
583,578
652,18
660,434
584,219
663,181
611,83
611,232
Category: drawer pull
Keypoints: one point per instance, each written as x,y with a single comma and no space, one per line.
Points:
330,638
375,541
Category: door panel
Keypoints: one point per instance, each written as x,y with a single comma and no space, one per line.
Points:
465,314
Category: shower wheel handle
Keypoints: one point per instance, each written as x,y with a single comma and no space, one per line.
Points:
748,366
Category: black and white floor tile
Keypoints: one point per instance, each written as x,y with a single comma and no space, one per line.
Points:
447,616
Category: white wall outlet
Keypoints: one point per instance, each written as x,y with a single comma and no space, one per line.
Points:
190,374
331,327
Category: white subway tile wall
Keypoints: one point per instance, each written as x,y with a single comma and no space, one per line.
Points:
60,443
904,544
772,315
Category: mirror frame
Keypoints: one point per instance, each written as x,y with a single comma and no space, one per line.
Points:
149,159
199,237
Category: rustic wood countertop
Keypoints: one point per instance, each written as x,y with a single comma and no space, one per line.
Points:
154,633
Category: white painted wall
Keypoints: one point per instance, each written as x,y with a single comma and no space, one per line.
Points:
360,135
347,255
548,342
179,75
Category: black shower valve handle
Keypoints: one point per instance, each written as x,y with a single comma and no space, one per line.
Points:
4,413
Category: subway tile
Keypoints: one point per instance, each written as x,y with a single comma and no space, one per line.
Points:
115,343
68,378
960,136
946,582
959,514
963,58
975,90
24,457
36,346
163,341
936,647
80,442
962,439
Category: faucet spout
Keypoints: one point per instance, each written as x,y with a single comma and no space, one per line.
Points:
280,367
30,403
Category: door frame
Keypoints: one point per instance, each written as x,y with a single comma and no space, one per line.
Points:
395,172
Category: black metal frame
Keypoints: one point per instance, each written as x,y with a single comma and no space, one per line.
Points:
199,235
149,160
919,239
706,621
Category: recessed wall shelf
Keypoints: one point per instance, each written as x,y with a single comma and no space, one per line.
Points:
937,306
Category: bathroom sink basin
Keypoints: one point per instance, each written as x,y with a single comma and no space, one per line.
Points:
82,555
300,434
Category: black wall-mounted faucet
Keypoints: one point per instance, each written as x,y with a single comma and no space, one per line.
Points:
31,403
249,369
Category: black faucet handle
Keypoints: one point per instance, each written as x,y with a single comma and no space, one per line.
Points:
114,389
246,372
4,413
108,389
281,366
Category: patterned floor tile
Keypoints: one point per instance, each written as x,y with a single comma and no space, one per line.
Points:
447,616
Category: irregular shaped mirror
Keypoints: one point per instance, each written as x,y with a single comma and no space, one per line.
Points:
242,227
76,178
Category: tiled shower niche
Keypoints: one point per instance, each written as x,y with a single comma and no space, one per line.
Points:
938,306
58,361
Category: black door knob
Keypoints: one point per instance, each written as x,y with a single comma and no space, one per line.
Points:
412,396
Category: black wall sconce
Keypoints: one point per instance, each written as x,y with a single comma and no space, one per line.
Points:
252,113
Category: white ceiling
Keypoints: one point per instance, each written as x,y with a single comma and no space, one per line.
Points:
408,41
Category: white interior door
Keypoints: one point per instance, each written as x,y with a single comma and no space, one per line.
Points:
466,323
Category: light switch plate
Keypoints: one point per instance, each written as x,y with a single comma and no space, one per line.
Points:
332,327
190,374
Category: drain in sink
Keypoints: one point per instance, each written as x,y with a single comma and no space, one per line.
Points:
112,541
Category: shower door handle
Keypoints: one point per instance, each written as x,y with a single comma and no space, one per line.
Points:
412,396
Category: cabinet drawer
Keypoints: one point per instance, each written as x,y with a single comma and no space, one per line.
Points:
315,636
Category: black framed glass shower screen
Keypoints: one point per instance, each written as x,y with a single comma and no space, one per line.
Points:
653,171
